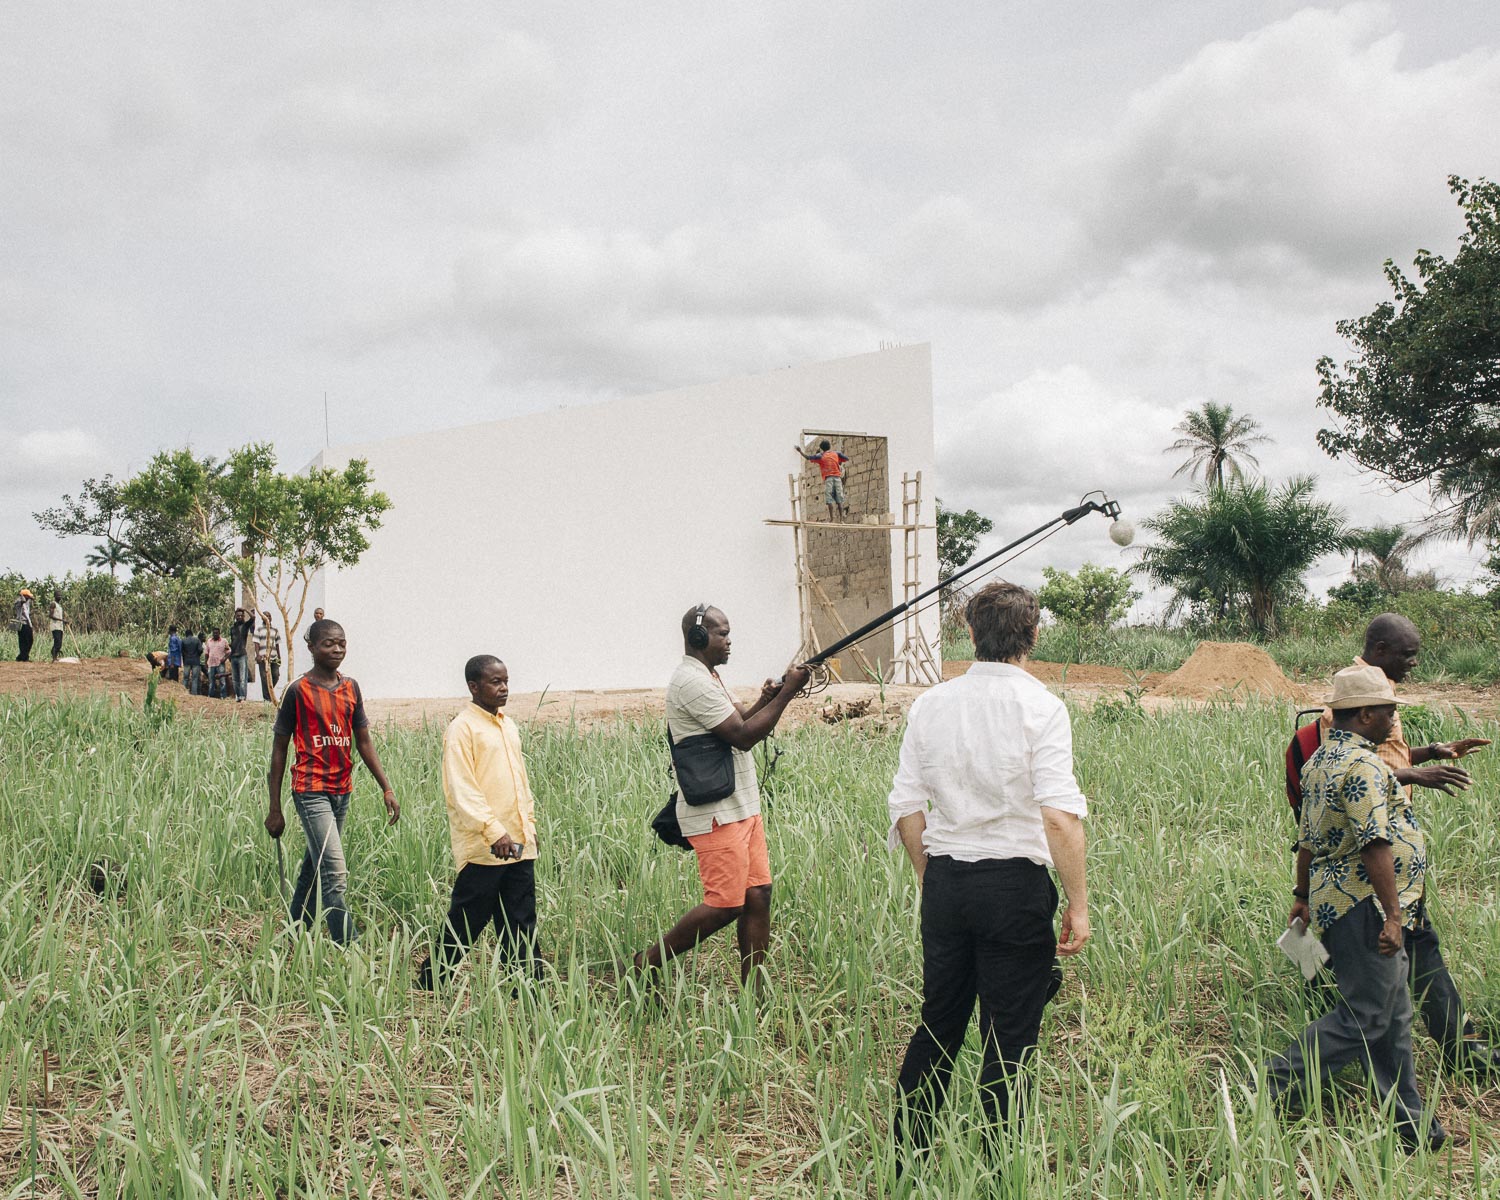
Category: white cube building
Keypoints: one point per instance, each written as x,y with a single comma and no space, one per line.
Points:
570,542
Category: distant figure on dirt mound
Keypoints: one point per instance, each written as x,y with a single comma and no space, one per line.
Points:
1361,862
173,669
985,802
323,716
216,652
1393,644
492,826
21,623
240,633
267,655
55,624
831,464
724,829
192,662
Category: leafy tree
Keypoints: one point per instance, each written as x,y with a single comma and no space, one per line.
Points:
109,554
1387,547
1215,441
1365,595
1097,596
285,528
958,535
1420,401
1245,541
142,533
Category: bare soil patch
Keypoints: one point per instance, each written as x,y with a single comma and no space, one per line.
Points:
1217,676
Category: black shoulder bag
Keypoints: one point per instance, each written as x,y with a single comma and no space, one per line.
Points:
703,766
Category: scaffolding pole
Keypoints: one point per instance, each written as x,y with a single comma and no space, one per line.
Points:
915,660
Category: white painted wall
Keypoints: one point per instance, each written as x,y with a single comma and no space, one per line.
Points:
570,542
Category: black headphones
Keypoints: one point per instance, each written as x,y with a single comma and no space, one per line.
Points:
697,636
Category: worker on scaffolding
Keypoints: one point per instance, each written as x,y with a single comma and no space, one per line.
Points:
831,464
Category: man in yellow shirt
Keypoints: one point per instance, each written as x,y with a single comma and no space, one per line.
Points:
492,824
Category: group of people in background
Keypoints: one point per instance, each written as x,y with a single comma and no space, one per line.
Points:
209,664
206,664
21,625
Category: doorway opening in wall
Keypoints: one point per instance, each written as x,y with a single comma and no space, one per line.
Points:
848,560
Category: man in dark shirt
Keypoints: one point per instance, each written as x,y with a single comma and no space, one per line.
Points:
240,633
192,662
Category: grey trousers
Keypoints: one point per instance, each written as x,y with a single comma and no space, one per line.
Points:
1372,1023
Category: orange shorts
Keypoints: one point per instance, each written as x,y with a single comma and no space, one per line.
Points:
732,858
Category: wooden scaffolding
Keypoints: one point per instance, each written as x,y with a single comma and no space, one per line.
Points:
915,661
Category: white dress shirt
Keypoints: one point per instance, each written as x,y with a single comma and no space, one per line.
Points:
982,756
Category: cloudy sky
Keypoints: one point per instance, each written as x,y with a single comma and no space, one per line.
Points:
1099,214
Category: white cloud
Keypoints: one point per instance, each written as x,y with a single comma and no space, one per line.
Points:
50,456
1041,443
699,300
1309,138
419,100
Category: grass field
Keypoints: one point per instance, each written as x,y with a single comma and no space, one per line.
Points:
1153,648
177,1040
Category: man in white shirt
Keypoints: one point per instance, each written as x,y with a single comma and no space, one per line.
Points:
726,835
55,624
985,802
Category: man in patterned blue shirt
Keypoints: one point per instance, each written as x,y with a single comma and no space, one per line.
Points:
1361,859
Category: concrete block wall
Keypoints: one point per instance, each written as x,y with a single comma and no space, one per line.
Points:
853,565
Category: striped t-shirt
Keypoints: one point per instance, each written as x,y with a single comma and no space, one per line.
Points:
321,721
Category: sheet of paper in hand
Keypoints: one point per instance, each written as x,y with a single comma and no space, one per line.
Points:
1303,949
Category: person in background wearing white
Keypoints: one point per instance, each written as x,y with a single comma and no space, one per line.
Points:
267,641
985,802
55,624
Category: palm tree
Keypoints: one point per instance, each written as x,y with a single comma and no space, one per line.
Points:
1215,441
108,554
1388,546
1243,541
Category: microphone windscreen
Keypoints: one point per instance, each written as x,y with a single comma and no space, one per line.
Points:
1122,532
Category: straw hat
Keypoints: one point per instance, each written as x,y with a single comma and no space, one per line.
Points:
1356,687
27,593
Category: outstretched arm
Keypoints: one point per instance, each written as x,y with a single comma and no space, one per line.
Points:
365,744
1066,843
910,829
745,732
275,821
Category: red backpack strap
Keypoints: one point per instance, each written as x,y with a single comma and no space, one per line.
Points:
1303,744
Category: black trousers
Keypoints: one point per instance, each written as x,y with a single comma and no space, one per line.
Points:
987,934
1434,992
505,894
56,644
270,676
23,637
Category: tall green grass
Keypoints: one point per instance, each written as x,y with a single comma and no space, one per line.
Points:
202,1049
1456,660
132,642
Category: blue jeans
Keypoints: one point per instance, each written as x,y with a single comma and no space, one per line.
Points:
194,681
321,881
239,664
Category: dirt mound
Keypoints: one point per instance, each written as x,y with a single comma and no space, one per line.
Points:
1236,669
1071,675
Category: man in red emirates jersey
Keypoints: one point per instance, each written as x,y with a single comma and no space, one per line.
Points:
323,715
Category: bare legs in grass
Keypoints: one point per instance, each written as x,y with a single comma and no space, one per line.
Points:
702,921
